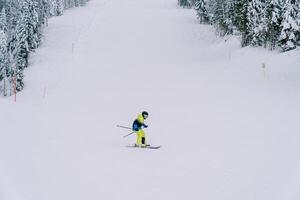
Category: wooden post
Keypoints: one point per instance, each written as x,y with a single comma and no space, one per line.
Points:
264,70
73,46
44,93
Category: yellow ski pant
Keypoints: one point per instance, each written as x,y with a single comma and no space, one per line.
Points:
141,140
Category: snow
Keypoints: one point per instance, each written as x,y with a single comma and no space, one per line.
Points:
227,118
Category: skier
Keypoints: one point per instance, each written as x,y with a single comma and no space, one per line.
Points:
137,126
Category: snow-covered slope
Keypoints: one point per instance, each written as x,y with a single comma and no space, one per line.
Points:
229,128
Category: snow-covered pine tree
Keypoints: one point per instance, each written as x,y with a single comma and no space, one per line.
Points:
228,21
20,47
25,21
290,27
214,10
220,14
69,4
83,2
202,13
191,2
184,3
43,10
3,21
34,31
56,7
12,13
274,19
13,16
60,7
2,4
298,21
257,22
240,19
43,13
52,7
4,56
268,23
77,3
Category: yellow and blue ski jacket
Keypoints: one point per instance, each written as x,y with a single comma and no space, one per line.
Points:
138,123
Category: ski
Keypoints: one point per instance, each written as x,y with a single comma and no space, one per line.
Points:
154,147
146,147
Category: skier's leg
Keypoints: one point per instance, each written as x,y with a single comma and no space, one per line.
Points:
139,137
143,138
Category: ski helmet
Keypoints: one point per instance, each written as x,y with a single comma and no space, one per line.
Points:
145,114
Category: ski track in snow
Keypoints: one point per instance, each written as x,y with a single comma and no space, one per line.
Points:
228,129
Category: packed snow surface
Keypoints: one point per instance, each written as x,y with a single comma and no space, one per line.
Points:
227,118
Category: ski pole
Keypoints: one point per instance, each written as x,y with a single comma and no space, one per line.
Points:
128,134
124,127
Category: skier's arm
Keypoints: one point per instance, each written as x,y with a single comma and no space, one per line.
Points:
144,125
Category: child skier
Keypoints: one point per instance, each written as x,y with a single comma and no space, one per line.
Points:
137,126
